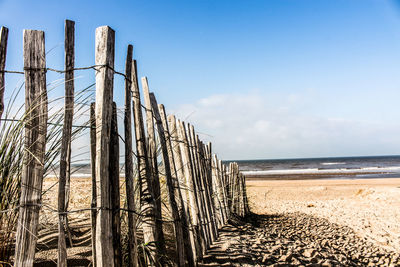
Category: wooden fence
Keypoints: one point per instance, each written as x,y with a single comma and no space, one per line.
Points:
203,193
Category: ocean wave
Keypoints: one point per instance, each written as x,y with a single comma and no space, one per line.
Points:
323,171
333,163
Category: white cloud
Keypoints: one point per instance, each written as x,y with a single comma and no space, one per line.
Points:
257,125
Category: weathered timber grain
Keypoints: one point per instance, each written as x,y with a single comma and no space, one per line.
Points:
129,179
65,154
147,201
93,205
183,185
35,145
204,220
115,192
105,45
155,177
3,54
174,195
192,190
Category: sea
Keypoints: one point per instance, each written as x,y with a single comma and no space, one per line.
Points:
322,168
303,168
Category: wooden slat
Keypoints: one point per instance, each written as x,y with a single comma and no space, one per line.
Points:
105,42
93,205
206,221
35,144
114,182
184,185
174,195
155,177
194,200
3,54
129,179
65,154
147,201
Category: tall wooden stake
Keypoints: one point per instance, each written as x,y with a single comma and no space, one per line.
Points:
105,41
65,155
93,168
3,53
154,168
35,145
147,201
181,168
115,193
130,190
172,185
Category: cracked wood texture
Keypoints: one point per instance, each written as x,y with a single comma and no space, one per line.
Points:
105,41
35,145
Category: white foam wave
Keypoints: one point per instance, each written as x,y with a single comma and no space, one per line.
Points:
323,171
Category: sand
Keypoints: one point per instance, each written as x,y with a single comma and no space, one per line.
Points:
336,222
371,207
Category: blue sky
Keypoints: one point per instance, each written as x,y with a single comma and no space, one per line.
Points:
260,79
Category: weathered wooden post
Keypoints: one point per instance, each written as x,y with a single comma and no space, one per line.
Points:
218,195
152,153
202,186
93,205
194,198
206,167
132,241
115,192
105,42
221,175
65,154
175,198
181,168
35,145
3,54
190,250
147,201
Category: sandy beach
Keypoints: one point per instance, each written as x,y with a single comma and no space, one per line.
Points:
297,222
371,207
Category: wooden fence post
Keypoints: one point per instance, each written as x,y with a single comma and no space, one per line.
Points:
194,198
189,248
65,154
93,205
206,168
3,54
221,175
184,186
35,145
105,42
147,201
175,198
132,241
152,153
115,192
200,182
